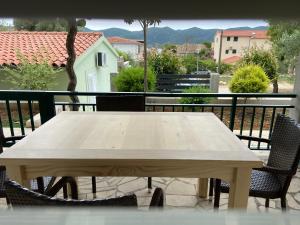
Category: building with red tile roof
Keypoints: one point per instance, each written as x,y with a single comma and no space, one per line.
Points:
237,42
50,45
232,60
132,47
95,60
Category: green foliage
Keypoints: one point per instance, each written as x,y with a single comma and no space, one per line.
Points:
190,63
207,44
265,59
170,47
45,24
285,36
165,63
125,56
196,100
132,80
249,79
36,74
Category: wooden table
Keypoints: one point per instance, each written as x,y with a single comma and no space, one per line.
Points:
142,144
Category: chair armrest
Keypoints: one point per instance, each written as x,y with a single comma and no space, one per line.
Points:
250,138
275,170
14,138
60,184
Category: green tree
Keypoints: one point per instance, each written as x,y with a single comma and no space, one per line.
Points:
165,63
34,74
132,80
125,56
285,37
145,23
266,60
249,79
170,47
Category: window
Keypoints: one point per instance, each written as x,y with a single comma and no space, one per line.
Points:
235,38
226,51
228,38
233,51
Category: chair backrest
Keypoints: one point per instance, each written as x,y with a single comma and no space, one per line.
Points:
129,103
22,197
285,146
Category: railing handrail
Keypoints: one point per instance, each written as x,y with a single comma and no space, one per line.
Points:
5,93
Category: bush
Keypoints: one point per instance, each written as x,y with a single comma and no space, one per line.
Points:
34,74
249,79
132,80
165,63
196,100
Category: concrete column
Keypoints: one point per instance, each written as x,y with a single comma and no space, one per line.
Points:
295,113
214,82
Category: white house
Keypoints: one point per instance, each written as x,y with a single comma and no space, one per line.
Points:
132,47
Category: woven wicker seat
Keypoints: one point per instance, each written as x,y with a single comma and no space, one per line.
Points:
22,197
273,180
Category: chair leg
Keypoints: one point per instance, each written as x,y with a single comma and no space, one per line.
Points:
149,183
217,194
7,201
267,202
40,184
211,189
283,203
94,188
65,191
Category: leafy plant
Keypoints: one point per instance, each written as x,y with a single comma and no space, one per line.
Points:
125,56
266,60
249,79
196,100
165,63
34,74
132,80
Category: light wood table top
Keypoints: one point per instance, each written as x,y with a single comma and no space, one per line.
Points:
144,137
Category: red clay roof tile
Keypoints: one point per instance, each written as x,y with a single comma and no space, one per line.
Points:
258,34
51,45
120,40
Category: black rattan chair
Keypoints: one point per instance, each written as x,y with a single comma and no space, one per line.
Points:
22,197
125,103
273,180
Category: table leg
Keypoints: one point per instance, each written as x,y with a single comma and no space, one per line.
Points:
17,173
239,188
202,187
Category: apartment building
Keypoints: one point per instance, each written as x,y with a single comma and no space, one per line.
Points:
236,42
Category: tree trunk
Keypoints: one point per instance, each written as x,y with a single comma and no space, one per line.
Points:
145,27
72,31
275,86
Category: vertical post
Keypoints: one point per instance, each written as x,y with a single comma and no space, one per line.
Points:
220,51
47,107
295,113
232,113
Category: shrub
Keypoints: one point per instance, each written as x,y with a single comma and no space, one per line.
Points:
165,63
132,80
196,100
34,74
249,79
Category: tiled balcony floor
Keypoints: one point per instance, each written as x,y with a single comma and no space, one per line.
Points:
179,192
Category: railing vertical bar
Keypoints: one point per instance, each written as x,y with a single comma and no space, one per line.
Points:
222,113
271,124
20,117
193,108
163,108
183,108
31,115
283,110
202,108
251,125
83,108
242,120
94,108
212,109
12,132
261,125
232,113
64,107
173,108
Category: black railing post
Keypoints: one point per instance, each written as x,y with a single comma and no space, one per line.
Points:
232,113
47,107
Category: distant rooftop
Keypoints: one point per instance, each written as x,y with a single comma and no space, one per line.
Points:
258,34
120,40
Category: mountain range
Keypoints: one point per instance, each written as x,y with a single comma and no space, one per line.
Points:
158,36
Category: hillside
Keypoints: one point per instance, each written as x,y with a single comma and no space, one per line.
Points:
162,35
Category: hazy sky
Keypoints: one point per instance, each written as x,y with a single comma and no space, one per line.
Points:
177,24
98,24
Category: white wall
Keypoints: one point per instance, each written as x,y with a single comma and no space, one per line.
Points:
131,49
